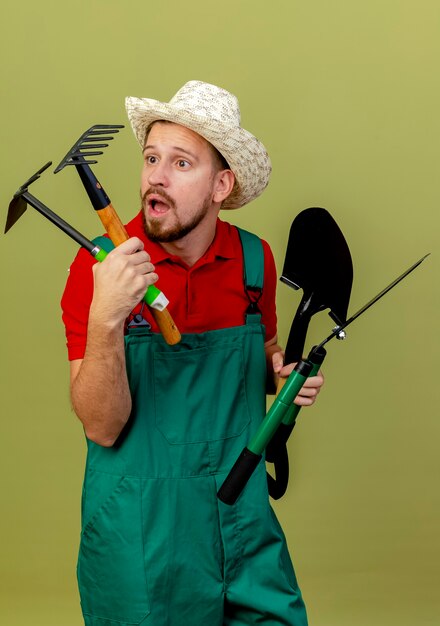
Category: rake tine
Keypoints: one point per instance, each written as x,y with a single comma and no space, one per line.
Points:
106,126
78,159
103,130
87,140
90,146
91,153
92,138
98,137
87,143
88,150
99,130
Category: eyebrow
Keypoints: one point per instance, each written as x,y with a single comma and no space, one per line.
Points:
177,149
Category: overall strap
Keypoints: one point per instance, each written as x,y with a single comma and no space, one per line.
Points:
253,268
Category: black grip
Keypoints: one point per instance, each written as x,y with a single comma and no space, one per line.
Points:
237,478
96,193
298,331
278,441
277,486
276,453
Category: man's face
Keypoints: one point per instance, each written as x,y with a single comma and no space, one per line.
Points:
177,183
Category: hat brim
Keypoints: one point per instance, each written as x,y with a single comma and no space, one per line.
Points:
245,154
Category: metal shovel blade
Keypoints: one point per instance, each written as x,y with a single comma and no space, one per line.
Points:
318,261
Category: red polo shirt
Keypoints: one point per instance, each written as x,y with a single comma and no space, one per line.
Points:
207,296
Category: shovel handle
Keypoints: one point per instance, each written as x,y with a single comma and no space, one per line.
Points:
276,451
118,234
250,457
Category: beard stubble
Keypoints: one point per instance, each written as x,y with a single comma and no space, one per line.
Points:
156,232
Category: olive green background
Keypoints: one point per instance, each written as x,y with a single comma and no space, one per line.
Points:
346,97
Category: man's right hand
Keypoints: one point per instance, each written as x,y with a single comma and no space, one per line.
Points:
120,282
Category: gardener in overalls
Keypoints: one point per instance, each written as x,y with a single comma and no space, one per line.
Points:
164,424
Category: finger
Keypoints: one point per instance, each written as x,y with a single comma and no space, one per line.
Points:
277,361
286,370
307,396
144,268
149,278
140,285
303,401
132,245
139,257
144,272
315,381
308,392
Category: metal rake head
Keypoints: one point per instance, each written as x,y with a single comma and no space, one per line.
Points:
88,145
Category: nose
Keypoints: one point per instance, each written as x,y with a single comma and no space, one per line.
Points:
157,175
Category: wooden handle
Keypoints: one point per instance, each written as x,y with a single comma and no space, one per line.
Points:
114,227
167,327
118,234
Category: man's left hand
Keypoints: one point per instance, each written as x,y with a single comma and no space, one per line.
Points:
312,386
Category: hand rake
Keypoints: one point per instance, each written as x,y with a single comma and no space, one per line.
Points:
90,144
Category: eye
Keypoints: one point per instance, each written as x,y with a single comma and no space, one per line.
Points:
182,164
150,159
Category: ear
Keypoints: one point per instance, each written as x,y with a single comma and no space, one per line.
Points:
223,184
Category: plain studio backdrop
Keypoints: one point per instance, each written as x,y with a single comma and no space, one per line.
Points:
345,96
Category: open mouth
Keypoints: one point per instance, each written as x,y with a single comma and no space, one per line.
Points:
157,206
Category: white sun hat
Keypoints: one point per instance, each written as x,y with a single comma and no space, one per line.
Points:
214,114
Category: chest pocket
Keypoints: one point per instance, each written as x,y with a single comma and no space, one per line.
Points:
200,394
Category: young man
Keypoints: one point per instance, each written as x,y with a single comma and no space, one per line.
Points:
165,424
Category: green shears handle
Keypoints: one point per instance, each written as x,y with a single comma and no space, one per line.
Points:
253,452
276,450
316,359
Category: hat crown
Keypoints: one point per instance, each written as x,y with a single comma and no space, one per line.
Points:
209,102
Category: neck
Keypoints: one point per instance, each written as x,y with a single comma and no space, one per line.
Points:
194,245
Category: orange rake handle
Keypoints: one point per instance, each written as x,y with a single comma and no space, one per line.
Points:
118,234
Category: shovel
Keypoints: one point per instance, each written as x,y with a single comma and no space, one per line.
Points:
318,261
253,453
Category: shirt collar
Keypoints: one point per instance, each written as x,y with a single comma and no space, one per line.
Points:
222,245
